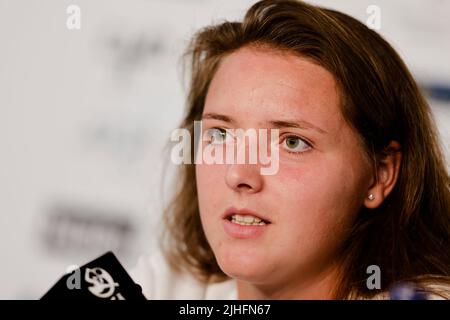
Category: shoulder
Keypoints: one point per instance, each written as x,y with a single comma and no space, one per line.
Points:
159,281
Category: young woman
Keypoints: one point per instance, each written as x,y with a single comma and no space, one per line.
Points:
361,182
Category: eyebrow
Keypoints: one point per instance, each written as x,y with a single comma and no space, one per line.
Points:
220,117
300,124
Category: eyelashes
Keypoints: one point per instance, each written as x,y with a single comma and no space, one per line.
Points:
295,144
218,136
291,143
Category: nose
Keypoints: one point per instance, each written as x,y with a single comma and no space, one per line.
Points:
244,178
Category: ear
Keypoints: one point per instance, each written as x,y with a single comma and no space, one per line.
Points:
386,175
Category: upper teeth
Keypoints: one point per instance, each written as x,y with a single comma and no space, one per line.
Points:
246,219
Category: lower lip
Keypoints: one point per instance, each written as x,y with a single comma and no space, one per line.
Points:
241,231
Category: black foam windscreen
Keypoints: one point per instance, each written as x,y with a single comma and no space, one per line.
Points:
101,279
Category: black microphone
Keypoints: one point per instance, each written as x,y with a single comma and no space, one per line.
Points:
101,279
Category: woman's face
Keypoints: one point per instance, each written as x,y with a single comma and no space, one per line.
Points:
322,178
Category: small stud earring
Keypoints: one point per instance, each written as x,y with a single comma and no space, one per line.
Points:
371,196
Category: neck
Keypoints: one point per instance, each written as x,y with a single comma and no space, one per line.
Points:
316,287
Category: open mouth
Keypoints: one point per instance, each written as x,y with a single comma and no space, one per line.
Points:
247,220
244,223
245,217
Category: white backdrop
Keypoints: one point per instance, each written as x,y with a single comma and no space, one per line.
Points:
85,114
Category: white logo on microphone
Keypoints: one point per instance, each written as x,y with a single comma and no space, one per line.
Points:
103,285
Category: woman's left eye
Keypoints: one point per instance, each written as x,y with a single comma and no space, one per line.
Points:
295,144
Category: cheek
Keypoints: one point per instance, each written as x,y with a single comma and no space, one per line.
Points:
306,184
318,197
210,186
209,176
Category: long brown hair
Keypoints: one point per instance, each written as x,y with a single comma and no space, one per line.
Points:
408,236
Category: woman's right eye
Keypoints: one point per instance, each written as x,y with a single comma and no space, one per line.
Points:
217,136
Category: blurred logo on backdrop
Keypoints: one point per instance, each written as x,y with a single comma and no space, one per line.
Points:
80,229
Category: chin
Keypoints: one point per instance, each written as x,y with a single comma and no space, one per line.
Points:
243,265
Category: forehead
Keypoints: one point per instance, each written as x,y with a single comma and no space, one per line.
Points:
265,83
